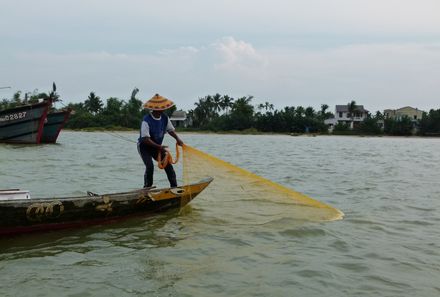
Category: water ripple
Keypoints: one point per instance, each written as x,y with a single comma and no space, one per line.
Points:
387,245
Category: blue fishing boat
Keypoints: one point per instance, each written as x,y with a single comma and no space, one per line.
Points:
24,124
54,123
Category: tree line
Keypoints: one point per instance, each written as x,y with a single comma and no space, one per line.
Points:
225,113
115,113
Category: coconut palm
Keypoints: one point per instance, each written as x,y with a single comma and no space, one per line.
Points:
309,112
53,96
93,103
324,108
300,111
217,100
227,103
352,108
133,93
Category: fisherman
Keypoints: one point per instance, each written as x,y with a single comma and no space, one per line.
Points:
153,128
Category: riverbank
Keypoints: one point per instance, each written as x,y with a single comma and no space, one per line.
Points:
247,132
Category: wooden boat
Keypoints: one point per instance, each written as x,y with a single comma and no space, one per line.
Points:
23,124
54,123
29,215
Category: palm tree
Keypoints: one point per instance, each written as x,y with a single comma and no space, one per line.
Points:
217,100
53,96
352,108
93,103
243,103
300,111
242,113
227,103
309,112
205,111
134,92
323,114
268,106
35,96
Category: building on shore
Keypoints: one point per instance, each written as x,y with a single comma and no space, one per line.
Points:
414,114
343,115
179,119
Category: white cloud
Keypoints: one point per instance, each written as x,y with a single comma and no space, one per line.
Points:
376,75
238,55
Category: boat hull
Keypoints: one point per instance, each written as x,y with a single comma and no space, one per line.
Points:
30,215
23,124
53,125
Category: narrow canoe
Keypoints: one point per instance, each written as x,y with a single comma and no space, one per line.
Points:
54,123
23,124
40,214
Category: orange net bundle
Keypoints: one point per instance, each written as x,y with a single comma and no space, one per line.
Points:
168,159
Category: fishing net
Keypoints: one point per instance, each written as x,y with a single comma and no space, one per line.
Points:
249,194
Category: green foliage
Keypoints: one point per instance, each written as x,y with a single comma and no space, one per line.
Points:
116,113
430,123
242,114
132,113
29,98
352,107
292,120
323,113
341,127
81,120
223,113
6,103
93,103
209,108
398,127
170,110
369,126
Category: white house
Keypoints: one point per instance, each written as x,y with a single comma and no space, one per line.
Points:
179,119
342,115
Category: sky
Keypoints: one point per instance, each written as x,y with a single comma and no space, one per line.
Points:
380,53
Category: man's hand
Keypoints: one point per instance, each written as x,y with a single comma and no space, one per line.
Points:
177,138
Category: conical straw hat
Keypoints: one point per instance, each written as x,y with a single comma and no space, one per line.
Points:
158,103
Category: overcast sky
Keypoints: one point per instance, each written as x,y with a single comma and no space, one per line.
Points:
380,53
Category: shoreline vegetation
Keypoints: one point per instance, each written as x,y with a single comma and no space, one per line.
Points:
223,114
244,132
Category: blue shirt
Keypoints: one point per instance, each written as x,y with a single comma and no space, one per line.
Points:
155,128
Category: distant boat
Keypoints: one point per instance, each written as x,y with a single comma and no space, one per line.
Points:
24,124
53,124
21,214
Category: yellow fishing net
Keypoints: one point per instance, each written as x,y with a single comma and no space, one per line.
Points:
240,187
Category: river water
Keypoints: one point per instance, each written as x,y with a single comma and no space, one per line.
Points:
388,244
